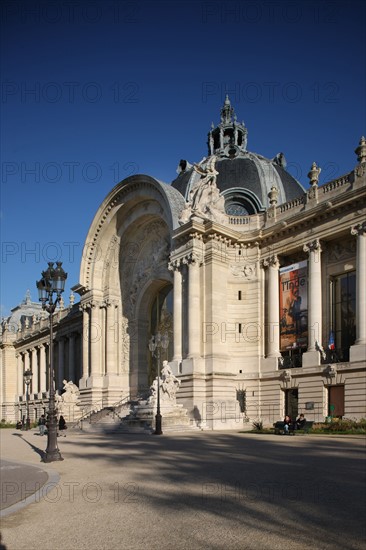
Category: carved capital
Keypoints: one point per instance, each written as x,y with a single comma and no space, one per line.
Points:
359,229
174,265
192,259
88,306
271,261
312,246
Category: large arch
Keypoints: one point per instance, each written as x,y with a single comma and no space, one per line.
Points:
125,259
127,197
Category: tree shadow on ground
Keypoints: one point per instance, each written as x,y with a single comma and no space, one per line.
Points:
305,492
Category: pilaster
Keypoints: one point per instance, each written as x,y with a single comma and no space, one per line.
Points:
175,266
312,356
194,310
358,350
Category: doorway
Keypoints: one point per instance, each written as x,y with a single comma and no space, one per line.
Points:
336,401
161,320
292,403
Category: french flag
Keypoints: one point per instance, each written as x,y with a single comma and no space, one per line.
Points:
331,344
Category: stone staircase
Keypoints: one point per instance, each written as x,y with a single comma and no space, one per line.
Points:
135,417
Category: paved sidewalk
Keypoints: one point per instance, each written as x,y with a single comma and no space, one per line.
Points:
193,490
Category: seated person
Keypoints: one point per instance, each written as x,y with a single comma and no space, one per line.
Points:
300,422
288,424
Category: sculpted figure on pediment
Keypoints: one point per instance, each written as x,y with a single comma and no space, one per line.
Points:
205,199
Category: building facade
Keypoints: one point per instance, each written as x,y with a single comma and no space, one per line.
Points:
259,284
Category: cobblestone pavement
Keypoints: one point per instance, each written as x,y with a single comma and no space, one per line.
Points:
200,490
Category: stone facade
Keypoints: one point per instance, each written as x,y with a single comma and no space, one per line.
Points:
212,265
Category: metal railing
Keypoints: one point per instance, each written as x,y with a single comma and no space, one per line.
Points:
291,361
340,355
96,410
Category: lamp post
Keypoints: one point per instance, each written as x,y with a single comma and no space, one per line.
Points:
156,343
52,282
27,380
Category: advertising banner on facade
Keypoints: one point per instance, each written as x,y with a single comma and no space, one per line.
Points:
294,306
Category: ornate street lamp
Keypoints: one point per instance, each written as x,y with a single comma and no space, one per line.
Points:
156,343
27,375
52,282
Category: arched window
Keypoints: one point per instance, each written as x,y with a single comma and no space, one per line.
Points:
241,202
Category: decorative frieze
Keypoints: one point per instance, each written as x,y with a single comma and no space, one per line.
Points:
247,271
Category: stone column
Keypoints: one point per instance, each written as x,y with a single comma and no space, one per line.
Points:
26,367
72,357
194,312
34,385
312,356
273,304
102,332
111,347
42,368
20,373
61,364
358,350
96,334
85,344
177,310
221,138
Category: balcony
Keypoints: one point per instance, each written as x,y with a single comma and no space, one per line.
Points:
291,359
340,355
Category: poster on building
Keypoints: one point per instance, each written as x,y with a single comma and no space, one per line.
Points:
294,306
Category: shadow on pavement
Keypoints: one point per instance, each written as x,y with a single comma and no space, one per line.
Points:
309,488
35,449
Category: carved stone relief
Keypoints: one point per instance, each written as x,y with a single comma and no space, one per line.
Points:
341,250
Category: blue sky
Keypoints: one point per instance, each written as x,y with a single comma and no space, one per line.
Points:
93,92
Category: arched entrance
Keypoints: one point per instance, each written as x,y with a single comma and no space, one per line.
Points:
161,320
154,313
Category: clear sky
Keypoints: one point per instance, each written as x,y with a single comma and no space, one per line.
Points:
93,92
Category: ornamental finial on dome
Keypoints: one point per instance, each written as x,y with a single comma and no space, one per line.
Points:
229,138
361,150
313,175
227,111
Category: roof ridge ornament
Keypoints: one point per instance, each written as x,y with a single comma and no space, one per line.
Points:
229,138
361,150
227,111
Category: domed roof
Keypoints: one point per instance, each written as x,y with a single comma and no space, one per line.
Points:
244,178
26,310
